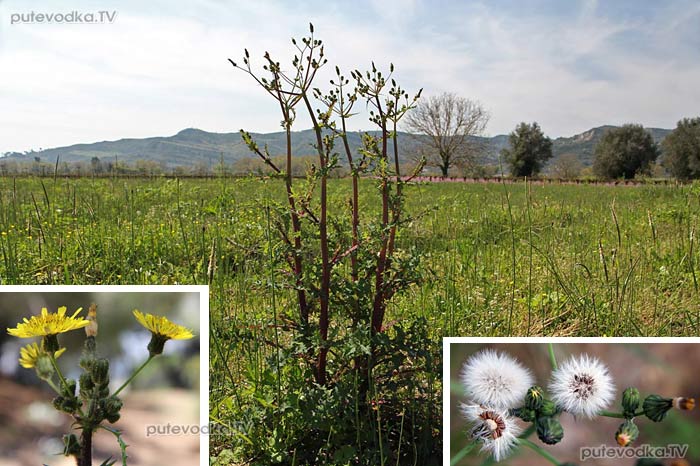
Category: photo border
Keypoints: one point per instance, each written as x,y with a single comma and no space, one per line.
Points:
447,341
202,290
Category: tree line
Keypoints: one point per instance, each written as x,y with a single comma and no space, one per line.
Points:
446,127
449,125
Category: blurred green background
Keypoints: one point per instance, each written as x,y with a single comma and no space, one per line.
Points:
166,391
665,369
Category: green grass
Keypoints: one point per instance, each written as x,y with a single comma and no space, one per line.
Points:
496,259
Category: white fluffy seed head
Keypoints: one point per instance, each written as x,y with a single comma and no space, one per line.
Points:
496,380
582,386
494,429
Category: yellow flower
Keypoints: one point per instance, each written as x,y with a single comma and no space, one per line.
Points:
29,355
163,327
161,330
48,324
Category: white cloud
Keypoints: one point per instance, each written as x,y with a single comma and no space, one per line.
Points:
162,67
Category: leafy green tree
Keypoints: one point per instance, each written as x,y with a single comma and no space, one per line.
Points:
682,149
624,152
529,150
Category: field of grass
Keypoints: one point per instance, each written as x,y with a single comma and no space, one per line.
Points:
495,260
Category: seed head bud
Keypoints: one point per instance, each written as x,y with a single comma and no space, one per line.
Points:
549,430
626,433
548,408
526,414
100,372
656,407
534,397
630,402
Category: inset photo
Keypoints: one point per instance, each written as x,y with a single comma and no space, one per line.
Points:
103,375
531,402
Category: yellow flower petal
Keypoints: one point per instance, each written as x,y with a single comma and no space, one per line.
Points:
48,324
28,355
162,327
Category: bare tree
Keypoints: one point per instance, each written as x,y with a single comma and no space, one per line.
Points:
567,167
450,122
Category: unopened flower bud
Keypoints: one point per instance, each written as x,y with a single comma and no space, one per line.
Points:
66,404
626,433
548,408
68,389
112,407
655,407
71,446
44,367
549,430
534,397
526,414
86,386
100,372
630,402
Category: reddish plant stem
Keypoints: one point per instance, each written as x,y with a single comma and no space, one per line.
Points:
296,228
324,294
379,304
355,204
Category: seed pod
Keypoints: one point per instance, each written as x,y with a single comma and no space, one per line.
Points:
549,430
630,402
626,433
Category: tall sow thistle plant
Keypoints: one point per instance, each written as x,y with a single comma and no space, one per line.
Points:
351,394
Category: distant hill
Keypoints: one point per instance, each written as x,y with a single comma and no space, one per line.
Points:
583,145
194,146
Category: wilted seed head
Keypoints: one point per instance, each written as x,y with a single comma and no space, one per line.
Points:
684,404
91,328
494,429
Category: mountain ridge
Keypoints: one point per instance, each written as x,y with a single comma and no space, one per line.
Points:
192,145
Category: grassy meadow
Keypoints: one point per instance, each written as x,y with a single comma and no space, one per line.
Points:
495,260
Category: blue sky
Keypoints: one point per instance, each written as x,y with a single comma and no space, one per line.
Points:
161,66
